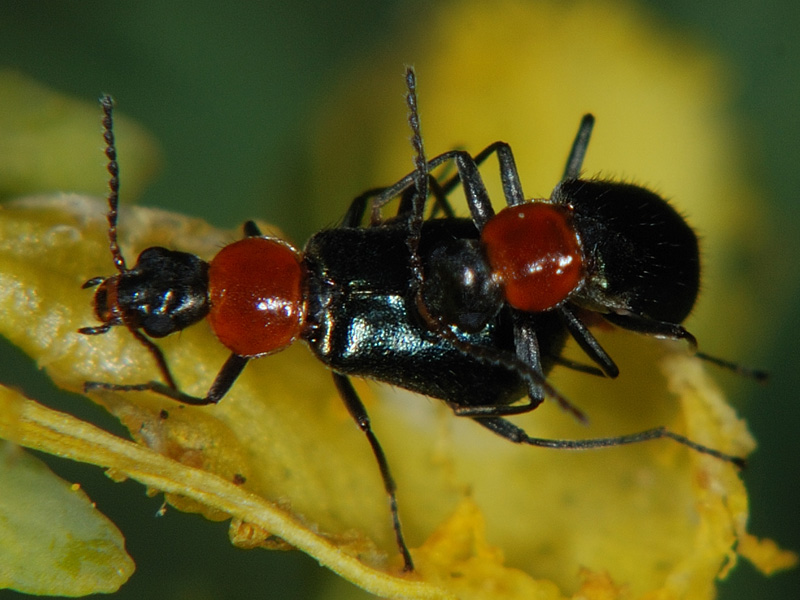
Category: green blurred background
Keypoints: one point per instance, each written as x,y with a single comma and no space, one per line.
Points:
229,90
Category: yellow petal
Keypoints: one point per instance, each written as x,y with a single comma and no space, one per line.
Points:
53,541
51,141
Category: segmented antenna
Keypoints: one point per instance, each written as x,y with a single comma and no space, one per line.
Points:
578,151
107,103
420,180
420,162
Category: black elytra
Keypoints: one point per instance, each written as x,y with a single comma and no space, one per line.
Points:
411,301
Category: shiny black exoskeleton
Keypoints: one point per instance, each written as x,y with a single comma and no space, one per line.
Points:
409,301
644,257
362,318
162,294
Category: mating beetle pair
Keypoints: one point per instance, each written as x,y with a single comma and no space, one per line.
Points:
473,311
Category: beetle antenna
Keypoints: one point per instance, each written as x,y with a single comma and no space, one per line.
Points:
758,374
107,103
578,151
420,180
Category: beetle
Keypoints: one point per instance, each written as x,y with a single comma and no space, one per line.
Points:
599,246
374,301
